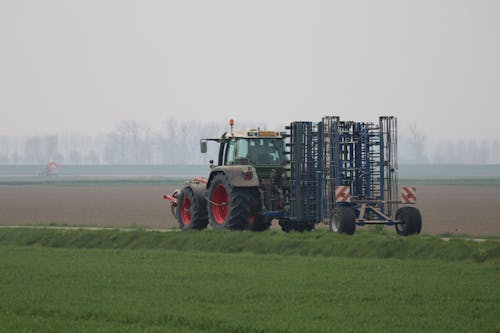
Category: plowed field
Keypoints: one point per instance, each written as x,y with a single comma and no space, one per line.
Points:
469,210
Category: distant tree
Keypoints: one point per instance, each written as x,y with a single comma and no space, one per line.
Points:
439,154
472,154
484,152
49,147
129,143
495,152
461,152
58,158
451,152
4,158
417,143
75,157
169,140
91,158
14,158
32,151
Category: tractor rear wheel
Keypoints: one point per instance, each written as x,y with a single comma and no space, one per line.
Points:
409,221
343,220
191,209
228,207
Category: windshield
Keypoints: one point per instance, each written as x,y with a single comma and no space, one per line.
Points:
255,151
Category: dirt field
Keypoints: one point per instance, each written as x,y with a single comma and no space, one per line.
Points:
454,209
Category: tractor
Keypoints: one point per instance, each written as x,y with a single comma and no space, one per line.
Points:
245,190
340,173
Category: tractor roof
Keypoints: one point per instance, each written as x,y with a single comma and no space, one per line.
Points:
253,133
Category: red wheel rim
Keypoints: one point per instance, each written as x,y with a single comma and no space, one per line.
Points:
186,211
220,203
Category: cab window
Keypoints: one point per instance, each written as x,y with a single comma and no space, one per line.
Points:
256,151
237,151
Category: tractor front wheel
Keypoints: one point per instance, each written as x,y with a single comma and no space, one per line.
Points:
343,220
409,221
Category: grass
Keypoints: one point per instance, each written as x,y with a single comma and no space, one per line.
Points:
366,244
57,225
110,281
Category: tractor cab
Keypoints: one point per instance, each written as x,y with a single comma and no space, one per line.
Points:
261,149
253,147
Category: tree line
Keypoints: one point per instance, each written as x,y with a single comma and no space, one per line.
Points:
414,148
130,142
177,142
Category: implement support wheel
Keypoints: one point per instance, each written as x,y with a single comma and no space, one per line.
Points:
409,221
343,220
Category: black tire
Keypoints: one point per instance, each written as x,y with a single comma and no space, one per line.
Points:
411,221
286,225
191,209
308,226
343,220
228,207
302,226
257,222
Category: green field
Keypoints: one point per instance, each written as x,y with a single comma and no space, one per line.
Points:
110,281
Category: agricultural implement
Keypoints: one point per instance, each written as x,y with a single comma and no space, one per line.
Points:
340,173
51,169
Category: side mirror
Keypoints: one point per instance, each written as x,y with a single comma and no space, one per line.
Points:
203,146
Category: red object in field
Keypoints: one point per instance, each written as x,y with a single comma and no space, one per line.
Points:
51,169
231,122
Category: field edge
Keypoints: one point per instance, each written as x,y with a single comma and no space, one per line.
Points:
317,243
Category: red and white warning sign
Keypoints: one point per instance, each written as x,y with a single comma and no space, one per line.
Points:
409,194
342,194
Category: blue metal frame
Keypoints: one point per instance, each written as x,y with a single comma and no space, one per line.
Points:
382,164
305,194
319,173
358,150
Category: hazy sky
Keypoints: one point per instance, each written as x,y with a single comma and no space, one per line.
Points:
84,65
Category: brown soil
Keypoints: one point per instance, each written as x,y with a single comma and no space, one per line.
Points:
454,209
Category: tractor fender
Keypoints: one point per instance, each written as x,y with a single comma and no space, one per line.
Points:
238,175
